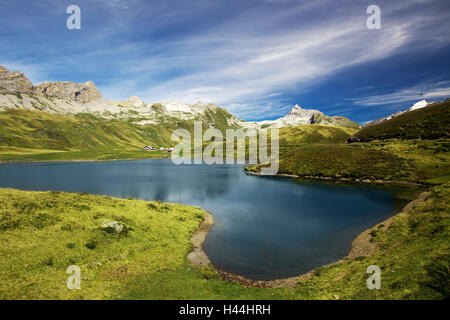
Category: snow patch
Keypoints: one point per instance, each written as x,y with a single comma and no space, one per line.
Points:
419,105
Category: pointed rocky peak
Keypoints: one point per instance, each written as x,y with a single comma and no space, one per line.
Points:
299,113
295,109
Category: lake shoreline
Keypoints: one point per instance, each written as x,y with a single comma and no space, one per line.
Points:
76,161
361,246
357,180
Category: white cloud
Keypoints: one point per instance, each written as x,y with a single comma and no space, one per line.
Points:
248,61
428,91
242,69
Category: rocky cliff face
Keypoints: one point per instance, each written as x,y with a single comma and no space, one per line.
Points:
298,115
17,82
81,92
12,82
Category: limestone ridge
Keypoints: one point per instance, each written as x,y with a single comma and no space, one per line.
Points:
17,82
82,92
69,98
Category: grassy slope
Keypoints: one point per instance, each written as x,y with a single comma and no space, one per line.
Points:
321,151
42,233
340,161
338,121
425,161
37,135
432,122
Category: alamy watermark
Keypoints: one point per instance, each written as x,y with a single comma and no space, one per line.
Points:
374,20
208,147
73,281
74,20
374,281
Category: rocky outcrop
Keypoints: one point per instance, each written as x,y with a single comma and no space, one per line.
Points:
17,82
81,92
14,82
113,226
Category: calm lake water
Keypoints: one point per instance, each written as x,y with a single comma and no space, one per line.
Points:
265,228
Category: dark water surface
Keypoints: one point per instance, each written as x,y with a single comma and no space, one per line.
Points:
265,228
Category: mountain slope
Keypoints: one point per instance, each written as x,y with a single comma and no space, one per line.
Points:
417,105
432,122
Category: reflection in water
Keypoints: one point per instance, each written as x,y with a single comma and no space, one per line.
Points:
265,228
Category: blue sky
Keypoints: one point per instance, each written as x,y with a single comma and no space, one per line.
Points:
255,58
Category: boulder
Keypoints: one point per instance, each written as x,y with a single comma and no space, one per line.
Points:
112,226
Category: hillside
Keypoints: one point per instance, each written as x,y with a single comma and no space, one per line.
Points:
431,122
412,147
37,135
313,134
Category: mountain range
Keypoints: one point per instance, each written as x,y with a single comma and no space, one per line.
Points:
69,98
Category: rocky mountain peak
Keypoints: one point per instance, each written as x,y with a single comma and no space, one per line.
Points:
299,114
295,108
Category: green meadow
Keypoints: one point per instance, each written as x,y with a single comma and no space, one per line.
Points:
42,233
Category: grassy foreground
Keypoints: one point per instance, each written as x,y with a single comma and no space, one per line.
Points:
42,233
